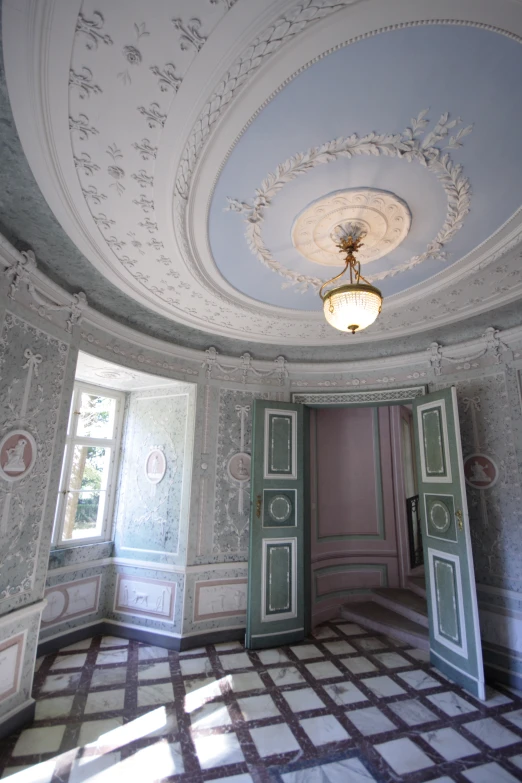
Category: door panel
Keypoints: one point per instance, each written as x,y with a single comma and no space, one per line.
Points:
278,549
455,643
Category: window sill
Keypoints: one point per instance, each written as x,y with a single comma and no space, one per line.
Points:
79,553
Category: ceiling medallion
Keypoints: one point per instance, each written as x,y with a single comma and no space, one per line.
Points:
353,306
382,217
430,148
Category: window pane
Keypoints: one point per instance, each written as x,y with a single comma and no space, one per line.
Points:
86,492
96,416
84,515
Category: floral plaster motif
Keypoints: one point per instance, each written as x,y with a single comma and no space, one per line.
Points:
149,513
32,368
232,488
495,515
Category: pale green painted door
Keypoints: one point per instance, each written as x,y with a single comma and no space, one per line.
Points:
278,546
455,645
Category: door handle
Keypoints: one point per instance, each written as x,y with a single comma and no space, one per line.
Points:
258,506
458,516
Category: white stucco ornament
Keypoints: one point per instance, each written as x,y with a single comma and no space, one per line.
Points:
17,455
383,217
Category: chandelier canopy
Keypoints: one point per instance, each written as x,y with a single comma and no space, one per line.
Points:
354,305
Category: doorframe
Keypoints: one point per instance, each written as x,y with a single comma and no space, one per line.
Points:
367,398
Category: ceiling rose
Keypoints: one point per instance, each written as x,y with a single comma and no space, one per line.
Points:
382,217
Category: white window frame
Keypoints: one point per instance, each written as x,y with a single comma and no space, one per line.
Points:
72,440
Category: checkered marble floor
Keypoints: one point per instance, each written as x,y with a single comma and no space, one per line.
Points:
346,706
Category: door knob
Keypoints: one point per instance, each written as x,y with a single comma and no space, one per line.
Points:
258,506
458,515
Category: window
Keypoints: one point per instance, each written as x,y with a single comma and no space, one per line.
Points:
86,494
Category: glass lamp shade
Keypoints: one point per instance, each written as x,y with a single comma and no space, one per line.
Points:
353,307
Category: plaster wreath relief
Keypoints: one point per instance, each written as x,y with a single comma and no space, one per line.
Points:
412,144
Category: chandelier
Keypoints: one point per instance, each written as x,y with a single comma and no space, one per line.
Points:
354,305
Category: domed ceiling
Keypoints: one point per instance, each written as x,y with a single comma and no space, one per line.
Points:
202,155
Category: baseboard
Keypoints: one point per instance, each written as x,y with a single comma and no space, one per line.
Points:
502,664
147,635
18,718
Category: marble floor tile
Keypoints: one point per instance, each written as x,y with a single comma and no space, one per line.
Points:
423,656
350,629
151,653
324,632
358,665
105,657
493,698
61,682
190,666
92,730
44,740
489,773
218,750
95,768
285,675
492,733
404,756
392,660
210,716
165,758
69,661
103,677
324,670
199,683
105,701
53,708
114,641
245,681
246,778
324,729
154,671
229,646
305,651
449,744
340,647
383,687
235,661
83,645
413,712
258,707
514,717
162,693
451,703
344,693
369,721
517,760
419,680
345,771
268,657
193,651
39,773
200,691
370,643
270,740
303,700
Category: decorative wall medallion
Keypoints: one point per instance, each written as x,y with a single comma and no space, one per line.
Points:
280,508
383,217
439,516
480,471
239,466
155,466
17,455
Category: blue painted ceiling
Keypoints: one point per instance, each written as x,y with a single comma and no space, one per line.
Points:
379,84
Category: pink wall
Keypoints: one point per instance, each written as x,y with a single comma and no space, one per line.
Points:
354,493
